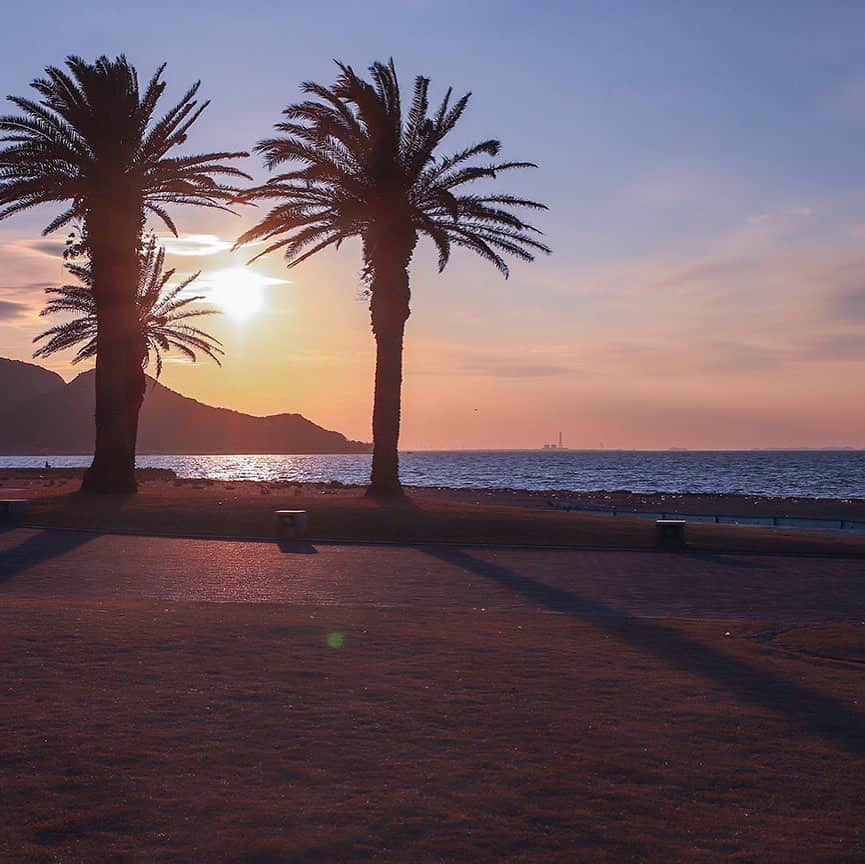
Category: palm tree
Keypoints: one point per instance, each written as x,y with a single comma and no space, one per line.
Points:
367,171
163,314
93,144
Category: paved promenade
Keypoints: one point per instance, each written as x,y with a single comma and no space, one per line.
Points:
79,565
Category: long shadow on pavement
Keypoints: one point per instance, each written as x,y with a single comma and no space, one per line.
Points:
297,547
728,560
40,547
815,712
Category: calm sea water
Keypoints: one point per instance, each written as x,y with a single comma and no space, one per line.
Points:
820,474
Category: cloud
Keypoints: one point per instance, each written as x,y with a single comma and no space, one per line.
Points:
53,248
27,289
19,302
717,357
194,244
198,245
678,187
848,303
838,348
537,362
785,216
731,357
501,369
12,311
697,358
705,271
758,304
29,265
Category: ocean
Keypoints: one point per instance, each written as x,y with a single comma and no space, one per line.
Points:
782,473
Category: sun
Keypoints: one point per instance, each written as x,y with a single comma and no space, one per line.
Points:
237,291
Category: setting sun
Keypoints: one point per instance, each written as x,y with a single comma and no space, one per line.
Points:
237,291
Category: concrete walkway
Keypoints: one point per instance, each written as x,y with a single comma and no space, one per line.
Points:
85,565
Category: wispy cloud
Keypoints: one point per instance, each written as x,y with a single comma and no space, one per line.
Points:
198,245
847,303
784,216
29,265
678,187
10,311
704,272
534,362
52,248
194,244
27,289
20,303
504,369
847,347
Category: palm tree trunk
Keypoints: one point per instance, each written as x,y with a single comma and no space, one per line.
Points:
113,245
389,307
384,482
119,394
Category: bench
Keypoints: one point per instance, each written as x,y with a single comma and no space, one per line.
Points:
12,507
670,534
290,523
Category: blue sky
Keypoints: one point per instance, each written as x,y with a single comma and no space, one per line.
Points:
703,163
598,93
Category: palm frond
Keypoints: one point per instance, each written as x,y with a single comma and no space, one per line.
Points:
90,125
163,311
364,169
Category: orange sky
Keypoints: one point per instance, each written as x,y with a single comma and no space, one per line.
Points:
751,342
702,164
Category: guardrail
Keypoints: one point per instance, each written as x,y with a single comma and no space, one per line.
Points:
815,524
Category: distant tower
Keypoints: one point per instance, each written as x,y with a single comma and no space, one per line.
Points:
559,446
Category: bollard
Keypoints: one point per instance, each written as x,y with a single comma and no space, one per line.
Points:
670,534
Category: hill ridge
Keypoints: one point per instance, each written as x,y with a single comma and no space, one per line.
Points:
58,420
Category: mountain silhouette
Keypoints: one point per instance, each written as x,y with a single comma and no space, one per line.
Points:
39,413
20,382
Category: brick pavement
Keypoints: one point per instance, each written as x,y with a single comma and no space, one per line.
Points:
68,564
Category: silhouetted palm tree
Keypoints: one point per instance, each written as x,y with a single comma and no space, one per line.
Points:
92,144
163,314
367,171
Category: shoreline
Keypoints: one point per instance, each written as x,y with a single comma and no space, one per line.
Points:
692,503
167,505
735,476
600,501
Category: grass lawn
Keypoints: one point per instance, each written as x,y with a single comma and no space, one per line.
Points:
228,733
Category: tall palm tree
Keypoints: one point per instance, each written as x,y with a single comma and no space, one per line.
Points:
368,171
164,313
93,144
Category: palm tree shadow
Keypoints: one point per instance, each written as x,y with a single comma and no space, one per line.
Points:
297,547
397,503
726,559
815,712
40,547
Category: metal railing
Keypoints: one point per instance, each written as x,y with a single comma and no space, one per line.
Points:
806,523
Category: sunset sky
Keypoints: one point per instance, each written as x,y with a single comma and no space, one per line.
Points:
704,165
